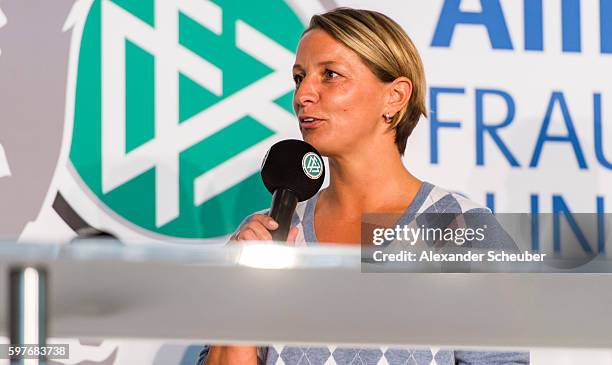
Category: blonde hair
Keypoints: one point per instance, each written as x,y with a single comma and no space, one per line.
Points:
387,51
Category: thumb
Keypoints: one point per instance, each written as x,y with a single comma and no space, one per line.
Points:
293,232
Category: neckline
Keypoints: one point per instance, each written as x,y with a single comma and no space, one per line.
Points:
408,215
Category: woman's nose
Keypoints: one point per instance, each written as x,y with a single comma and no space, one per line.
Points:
307,92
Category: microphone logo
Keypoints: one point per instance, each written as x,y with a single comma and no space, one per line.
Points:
312,165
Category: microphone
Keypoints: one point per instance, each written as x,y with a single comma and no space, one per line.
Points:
292,171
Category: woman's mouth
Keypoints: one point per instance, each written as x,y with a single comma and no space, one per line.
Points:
310,122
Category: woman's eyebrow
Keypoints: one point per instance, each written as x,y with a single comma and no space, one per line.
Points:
326,63
297,66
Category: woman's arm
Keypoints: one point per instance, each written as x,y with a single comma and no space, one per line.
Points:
255,227
228,355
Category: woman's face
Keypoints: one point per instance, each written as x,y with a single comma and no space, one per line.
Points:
338,100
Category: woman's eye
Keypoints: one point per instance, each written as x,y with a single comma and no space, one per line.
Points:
297,79
329,74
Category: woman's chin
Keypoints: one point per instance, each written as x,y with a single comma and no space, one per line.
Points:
314,139
323,144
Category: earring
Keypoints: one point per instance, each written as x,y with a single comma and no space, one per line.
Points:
388,117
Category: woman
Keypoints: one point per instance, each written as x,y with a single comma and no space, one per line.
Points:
360,91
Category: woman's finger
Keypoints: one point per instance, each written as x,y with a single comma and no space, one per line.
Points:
247,234
293,232
260,231
266,221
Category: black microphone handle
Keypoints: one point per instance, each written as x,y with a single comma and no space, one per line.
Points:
284,202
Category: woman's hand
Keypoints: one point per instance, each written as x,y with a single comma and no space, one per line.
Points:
258,228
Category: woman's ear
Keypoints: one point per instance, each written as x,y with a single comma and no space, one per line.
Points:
400,91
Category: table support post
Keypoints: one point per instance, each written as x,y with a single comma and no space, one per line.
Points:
28,309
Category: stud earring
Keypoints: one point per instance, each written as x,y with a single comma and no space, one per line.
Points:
388,117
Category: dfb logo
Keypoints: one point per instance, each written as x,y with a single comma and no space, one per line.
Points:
176,102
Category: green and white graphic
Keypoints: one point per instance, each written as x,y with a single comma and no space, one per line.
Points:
176,103
312,165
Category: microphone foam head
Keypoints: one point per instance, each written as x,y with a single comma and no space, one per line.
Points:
295,165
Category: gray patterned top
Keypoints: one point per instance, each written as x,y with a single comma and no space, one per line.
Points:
429,199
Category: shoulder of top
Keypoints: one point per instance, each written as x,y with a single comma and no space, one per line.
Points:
301,206
440,200
300,209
